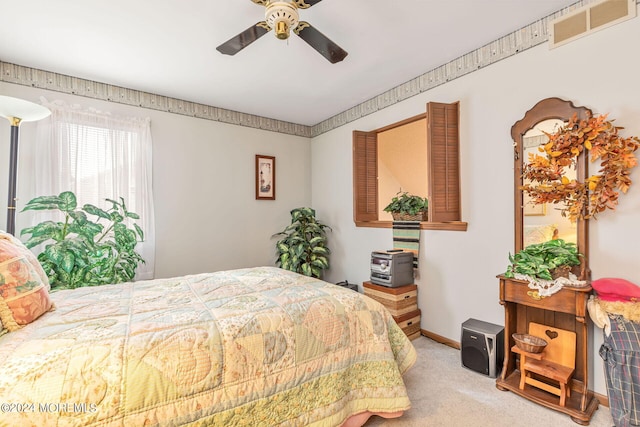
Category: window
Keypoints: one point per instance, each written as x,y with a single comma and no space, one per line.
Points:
402,161
99,156
443,171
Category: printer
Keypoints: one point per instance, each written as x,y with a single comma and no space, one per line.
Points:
392,268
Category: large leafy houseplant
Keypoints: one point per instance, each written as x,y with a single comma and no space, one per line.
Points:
543,260
303,244
405,203
80,251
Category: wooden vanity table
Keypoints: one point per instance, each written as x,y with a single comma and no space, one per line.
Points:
565,309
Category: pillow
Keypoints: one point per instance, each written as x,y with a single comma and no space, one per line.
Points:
615,289
538,233
24,286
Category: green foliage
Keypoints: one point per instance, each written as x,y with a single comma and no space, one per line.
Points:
404,202
303,246
82,252
539,259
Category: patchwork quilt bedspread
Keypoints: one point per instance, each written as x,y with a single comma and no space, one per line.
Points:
249,347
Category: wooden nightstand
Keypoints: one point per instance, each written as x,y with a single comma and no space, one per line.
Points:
401,302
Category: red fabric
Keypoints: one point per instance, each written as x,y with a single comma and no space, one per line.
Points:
616,289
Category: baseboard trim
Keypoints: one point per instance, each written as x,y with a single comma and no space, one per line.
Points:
602,399
440,339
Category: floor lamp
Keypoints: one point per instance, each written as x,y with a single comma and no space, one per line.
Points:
17,111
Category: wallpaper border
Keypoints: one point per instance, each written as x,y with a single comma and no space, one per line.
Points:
532,35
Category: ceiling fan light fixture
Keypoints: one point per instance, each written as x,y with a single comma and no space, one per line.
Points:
283,17
281,30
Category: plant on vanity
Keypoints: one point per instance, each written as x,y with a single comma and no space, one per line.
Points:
546,260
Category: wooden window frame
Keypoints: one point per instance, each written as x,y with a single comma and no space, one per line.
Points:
443,153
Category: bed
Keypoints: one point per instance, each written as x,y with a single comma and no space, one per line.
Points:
248,347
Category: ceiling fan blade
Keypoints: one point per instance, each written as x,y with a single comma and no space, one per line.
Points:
303,4
320,42
244,39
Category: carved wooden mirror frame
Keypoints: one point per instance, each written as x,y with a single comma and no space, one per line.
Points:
549,108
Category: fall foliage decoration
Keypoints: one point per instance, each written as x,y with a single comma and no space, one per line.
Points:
545,174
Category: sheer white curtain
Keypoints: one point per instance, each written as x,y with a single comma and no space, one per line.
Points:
98,156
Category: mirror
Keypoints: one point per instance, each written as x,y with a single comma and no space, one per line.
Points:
543,222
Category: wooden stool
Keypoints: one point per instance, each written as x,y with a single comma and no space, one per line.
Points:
557,362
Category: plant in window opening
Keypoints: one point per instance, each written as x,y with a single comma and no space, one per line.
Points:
582,200
83,252
407,206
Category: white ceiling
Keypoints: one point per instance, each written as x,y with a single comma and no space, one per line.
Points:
167,47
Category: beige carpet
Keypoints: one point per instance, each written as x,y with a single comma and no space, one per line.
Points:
443,393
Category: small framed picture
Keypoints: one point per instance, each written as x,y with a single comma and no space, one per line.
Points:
533,209
265,177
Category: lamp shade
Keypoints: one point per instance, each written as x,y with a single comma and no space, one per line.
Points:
26,111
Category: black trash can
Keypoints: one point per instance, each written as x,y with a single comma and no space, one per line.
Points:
621,354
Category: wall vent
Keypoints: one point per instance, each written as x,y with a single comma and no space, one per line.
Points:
589,19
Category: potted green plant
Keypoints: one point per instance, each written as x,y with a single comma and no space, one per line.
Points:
408,207
303,244
81,252
547,260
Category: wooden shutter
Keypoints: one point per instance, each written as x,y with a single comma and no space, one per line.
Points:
365,176
443,152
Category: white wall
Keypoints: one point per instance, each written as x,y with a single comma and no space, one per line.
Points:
458,269
207,217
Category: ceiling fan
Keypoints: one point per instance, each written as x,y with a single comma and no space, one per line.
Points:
282,17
